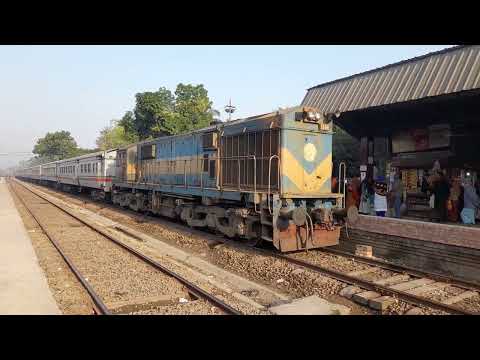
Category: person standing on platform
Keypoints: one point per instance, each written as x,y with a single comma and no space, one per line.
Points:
455,193
380,199
471,202
441,190
367,197
354,192
397,192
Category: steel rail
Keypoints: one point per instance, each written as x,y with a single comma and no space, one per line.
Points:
405,269
100,307
369,285
194,289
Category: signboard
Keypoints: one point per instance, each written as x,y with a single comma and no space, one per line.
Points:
433,137
439,136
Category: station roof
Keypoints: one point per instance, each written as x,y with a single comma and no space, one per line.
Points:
448,71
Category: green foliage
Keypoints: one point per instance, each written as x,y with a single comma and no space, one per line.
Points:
345,148
128,124
114,136
56,146
152,111
162,113
193,109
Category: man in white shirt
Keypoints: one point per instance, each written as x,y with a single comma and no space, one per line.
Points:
380,200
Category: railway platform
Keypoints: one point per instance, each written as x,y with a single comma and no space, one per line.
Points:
23,287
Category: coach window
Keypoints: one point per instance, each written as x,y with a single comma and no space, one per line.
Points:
205,162
212,168
89,168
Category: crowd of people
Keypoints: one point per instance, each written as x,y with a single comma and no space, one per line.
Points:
451,200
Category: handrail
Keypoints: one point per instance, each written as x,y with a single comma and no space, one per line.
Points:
343,184
269,178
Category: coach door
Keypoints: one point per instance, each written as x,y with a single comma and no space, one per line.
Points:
132,163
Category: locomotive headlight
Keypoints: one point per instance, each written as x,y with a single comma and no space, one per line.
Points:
313,116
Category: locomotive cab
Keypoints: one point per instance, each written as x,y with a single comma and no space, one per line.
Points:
303,209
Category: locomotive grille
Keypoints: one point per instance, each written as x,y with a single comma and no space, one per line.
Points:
248,155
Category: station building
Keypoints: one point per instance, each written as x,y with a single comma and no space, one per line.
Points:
407,116
410,114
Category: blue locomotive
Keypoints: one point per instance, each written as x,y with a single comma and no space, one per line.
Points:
263,178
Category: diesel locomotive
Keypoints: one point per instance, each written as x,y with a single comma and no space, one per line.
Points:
263,178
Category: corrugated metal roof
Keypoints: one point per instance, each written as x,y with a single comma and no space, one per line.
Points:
443,72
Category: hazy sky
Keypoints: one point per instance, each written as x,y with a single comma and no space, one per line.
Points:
81,88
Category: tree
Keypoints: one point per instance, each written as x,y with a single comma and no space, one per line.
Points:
162,113
128,123
152,111
56,146
193,109
115,136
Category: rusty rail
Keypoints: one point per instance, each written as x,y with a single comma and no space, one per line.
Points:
369,285
409,298
100,307
405,269
194,289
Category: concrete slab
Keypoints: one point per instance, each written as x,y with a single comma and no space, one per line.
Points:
124,307
412,284
381,303
363,272
364,297
463,296
23,287
427,288
311,305
349,291
393,280
414,311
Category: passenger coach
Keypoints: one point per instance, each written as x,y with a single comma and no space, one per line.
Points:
91,172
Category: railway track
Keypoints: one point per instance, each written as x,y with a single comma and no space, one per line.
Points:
100,306
412,281
412,295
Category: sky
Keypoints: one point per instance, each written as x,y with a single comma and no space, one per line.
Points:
82,88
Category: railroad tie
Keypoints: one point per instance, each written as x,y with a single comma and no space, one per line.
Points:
392,280
463,296
362,272
412,284
427,288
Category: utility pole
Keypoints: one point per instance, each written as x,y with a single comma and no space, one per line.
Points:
230,109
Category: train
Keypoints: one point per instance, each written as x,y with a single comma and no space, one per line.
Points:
264,178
